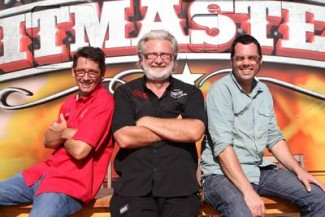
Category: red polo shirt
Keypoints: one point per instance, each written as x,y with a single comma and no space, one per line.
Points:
91,116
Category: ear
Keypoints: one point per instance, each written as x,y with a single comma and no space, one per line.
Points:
140,57
175,57
72,72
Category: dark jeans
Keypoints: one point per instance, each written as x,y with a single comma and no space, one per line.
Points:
228,200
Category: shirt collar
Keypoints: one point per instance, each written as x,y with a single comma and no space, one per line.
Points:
256,85
86,98
145,79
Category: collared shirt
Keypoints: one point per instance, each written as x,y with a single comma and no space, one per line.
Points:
245,121
91,116
164,168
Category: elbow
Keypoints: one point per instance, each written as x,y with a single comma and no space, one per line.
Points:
196,137
78,155
198,131
48,145
122,141
77,149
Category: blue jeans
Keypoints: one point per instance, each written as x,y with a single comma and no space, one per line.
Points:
14,191
227,199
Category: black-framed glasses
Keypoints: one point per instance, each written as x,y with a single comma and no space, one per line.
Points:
163,56
92,73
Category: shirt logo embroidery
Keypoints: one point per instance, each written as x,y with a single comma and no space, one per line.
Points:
139,94
83,113
177,93
124,209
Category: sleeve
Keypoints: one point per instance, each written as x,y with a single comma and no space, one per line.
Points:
95,125
195,107
274,133
124,114
220,117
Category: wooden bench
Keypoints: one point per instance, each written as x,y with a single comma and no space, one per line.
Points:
273,206
99,207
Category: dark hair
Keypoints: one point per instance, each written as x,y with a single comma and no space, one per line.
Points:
245,39
94,53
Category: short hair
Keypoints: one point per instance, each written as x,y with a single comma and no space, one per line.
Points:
158,34
245,39
93,53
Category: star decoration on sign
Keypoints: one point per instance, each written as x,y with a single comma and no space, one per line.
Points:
187,76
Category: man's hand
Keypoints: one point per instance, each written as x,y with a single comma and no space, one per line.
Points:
56,135
57,127
255,204
306,178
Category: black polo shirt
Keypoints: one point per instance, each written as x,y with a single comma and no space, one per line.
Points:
165,168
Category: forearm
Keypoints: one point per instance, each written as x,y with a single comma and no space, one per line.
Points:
135,137
283,154
56,135
178,130
77,149
53,139
232,169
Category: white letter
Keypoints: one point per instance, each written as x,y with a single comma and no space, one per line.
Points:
258,13
51,48
168,19
14,44
87,21
223,26
299,27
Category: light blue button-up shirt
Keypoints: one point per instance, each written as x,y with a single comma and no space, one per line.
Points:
247,122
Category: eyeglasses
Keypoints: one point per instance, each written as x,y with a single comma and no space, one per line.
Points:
164,56
253,59
91,73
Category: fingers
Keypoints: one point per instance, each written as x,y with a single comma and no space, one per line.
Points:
320,184
58,126
258,211
307,185
62,119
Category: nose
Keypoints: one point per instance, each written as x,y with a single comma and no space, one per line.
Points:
246,62
86,76
159,60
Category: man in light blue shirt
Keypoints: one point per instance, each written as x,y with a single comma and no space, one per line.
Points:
241,124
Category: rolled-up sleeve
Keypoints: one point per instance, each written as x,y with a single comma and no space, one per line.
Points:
220,117
274,133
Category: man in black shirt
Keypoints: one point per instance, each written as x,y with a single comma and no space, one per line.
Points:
156,123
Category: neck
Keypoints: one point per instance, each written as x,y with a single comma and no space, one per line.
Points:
158,87
247,86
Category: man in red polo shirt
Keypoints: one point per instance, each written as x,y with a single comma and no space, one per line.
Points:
82,144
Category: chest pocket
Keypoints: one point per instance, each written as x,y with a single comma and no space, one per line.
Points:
264,113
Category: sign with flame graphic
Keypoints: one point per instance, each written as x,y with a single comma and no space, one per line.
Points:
38,39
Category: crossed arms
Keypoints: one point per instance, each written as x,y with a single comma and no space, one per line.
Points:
58,133
151,129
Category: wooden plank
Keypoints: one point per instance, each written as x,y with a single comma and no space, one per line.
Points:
100,206
272,205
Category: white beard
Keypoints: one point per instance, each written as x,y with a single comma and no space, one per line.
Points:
157,75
